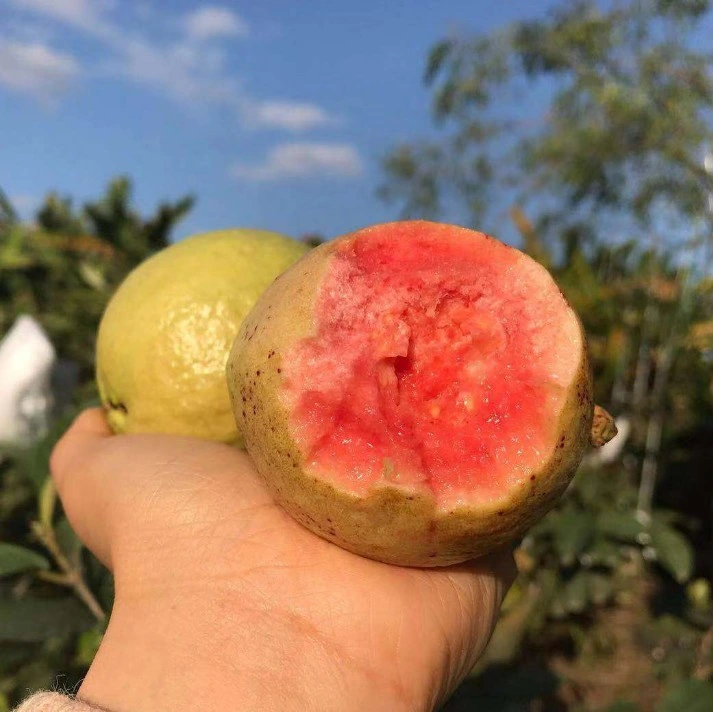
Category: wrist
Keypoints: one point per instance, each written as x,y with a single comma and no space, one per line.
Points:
197,656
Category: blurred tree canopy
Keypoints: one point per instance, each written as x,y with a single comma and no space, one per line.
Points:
588,115
62,268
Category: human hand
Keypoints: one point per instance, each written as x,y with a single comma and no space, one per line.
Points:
224,602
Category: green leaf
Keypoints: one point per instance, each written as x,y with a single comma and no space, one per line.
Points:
688,696
573,532
605,552
87,646
36,462
673,550
436,58
32,620
601,588
15,559
8,214
620,525
575,595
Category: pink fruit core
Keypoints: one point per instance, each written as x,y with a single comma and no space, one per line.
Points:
441,360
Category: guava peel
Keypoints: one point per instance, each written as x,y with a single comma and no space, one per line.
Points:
166,333
414,392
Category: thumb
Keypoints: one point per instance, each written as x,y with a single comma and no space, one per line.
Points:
75,466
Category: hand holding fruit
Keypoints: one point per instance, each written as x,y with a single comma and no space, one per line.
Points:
224,602
416,393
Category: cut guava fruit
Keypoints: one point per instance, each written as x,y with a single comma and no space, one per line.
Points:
415,392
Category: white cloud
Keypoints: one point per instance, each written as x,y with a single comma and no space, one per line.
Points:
182,71
87,15
191,68
289,115
35,69
299,160
212,21
196,72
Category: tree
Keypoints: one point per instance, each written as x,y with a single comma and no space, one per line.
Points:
63,268
622,135
8,216
112,219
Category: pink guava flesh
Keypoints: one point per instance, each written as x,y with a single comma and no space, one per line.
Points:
436,362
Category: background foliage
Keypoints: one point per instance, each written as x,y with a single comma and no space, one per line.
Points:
607,186
61,269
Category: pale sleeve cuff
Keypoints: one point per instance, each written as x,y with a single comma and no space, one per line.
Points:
54,702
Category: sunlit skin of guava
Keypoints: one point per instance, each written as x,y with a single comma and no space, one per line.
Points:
166,334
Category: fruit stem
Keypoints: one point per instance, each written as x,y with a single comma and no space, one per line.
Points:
603,427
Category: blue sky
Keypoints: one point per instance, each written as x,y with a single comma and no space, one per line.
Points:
273,113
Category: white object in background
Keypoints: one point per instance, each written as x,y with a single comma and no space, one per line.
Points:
27,358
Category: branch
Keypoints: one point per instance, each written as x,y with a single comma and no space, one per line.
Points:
71,575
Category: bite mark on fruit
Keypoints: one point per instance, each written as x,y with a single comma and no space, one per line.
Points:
428,370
